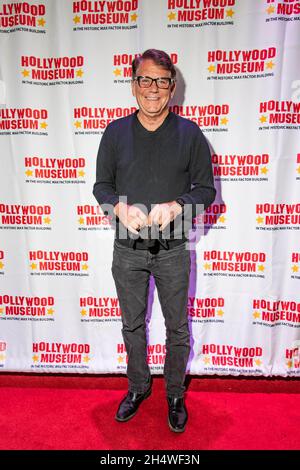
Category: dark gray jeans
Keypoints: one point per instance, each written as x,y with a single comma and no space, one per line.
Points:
131,271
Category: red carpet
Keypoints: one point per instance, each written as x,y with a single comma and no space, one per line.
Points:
77,412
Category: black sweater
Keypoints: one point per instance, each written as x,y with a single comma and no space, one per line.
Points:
151,167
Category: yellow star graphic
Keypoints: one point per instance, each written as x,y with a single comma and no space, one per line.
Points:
207,266
35,358
81,220
117,72
258,362
224,120
211,68
220,313
33,265
256,314
1,265
2,357
222,218
44,125
133,17
1,310
83,312
77,124
81,173
50,311
261,267
206,360
85,267
47,220
25,73
230,12
264,170
289,364
270,64
79,73
295,268
270,10
86,359
28,172
41,22
259,220
263,119
172,16
76,19
120,359
298,169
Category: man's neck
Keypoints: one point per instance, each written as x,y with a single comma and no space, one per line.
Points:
151,123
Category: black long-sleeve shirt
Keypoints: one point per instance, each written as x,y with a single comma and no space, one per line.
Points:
152,167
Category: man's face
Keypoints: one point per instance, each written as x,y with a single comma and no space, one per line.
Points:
152,101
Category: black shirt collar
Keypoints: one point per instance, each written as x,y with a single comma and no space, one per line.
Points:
141,129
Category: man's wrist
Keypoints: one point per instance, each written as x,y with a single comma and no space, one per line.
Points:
180,202
116,208
119,207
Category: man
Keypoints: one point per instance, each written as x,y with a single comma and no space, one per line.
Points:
161,163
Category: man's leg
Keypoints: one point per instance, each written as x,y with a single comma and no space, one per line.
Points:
131,276
171,270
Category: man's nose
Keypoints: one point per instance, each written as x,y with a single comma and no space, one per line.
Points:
154,86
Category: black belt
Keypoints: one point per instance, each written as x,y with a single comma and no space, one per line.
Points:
149,238
151,245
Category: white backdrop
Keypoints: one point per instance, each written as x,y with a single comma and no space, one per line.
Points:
65,74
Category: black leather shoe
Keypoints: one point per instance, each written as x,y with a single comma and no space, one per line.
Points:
130,404
177,416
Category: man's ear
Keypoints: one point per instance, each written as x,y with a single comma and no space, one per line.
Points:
173,89
132,87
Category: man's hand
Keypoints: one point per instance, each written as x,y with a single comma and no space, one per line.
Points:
132,217
163,214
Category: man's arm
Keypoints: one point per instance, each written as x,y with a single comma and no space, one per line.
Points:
104,188
203,191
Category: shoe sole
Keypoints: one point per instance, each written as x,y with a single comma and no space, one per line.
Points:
174,429
123,420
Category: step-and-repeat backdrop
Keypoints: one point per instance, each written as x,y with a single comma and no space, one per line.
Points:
65,75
